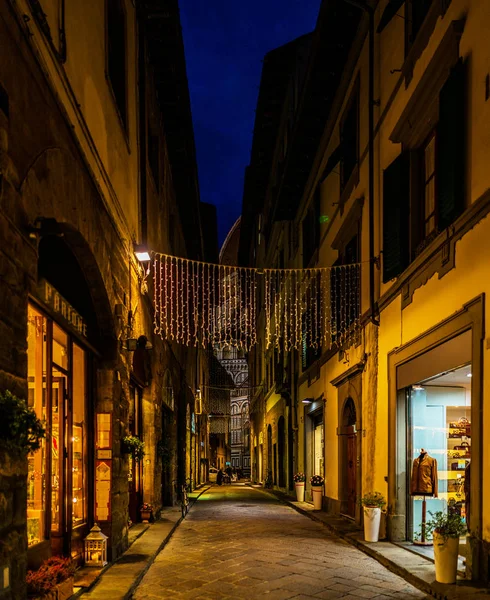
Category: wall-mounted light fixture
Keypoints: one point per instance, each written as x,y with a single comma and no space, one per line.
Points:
141,253
307,401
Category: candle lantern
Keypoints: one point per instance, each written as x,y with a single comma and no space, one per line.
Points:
95,548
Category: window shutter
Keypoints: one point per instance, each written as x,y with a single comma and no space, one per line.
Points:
451,153
396,206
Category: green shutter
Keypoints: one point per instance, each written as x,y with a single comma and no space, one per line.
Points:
451,154
396,210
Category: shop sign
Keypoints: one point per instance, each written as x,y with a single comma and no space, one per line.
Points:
61,307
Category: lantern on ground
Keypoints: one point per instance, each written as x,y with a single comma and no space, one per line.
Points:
95,548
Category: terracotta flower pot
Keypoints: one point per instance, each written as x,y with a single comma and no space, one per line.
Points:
145,516
317,495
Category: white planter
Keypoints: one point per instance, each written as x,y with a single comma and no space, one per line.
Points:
317,495
300,491
372,520
446,558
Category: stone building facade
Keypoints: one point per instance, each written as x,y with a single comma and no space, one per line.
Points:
384,168
96,156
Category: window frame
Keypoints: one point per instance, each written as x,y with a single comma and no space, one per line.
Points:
347,184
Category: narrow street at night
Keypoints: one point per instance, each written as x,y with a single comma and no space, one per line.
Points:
237,542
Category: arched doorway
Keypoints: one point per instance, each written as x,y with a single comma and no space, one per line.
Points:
66,343
350,458
280,451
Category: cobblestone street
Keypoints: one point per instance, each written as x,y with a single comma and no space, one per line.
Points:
238,542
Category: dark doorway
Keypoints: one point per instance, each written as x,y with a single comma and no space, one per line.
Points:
281,446
135,476
349,418
269,450
166,456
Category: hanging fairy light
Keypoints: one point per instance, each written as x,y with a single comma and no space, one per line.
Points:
205,304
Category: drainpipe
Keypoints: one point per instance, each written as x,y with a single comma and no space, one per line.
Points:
370,11
142,123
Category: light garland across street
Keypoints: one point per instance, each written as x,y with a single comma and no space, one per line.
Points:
219,305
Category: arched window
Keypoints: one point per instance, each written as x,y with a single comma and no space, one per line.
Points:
116,55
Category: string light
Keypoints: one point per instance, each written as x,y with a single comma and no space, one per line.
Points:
202,303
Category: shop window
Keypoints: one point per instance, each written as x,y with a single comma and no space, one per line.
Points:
79,436
116,55
439,434
57,380
37,462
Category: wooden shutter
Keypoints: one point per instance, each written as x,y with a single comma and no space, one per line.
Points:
451,152
396,209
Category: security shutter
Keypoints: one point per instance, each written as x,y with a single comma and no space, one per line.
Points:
451,146
396,210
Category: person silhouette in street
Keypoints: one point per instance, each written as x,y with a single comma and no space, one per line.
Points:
219,477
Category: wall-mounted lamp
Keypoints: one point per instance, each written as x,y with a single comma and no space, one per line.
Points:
307,401
133,344
141,253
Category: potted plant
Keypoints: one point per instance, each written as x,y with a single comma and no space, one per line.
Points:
53,580
372,503
134,446
446,529
316,483
146,512
299,485
21,431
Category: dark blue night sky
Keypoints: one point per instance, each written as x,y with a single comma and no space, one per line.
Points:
225,41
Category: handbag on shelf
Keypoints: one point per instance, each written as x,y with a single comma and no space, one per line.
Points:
457,433
459,465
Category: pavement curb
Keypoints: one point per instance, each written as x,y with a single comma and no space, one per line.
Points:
435,589
151,560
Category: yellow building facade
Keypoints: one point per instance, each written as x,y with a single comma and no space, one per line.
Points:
413,213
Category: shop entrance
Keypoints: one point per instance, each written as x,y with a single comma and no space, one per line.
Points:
135,476
281,451
349,419
439,434
57,493
269,450
314,439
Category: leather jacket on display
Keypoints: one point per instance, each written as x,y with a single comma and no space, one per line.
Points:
424,476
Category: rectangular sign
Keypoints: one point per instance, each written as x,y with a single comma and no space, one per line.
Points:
61,307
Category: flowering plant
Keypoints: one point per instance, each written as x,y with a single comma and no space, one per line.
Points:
146,506
316,480
299,478
53,571
134,446
373,500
